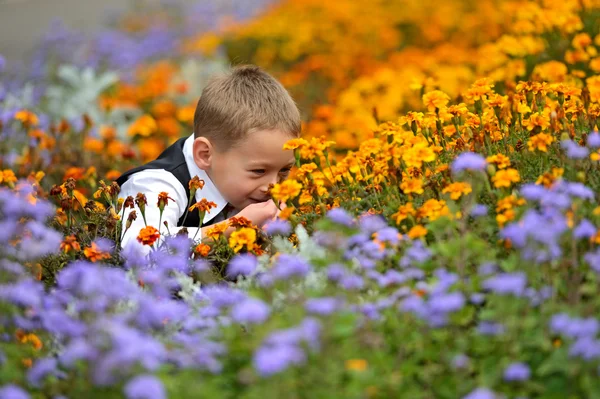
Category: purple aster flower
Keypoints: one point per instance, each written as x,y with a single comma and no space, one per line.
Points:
288,266
487,268
593,140
586,348
352,282
574,150
468,161
145,387
271,360
481,393
11,391
322,306
585,229
579,190
221,296
76,350
460,361
477,298
533,192
447,303
416,254
370,224
335,272
250,311
243,264
42,368
479,210
278,227
2,63
507,283
490,328
389,235
340,216
517,372
593,259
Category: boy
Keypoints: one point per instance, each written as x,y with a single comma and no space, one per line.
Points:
242,120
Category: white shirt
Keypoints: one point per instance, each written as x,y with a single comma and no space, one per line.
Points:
153,181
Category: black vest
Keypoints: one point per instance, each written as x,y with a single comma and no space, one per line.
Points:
173,161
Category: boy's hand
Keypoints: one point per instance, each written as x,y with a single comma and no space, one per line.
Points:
260,213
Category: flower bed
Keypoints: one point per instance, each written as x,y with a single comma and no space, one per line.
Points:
451,252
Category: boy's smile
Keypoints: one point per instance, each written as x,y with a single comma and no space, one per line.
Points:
243,173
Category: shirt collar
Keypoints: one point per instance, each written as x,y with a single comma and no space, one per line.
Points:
209,191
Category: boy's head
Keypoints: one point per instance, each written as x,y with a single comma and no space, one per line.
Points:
242,120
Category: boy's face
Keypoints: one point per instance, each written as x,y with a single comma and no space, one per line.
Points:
243,173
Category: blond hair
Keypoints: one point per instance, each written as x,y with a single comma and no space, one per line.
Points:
246,99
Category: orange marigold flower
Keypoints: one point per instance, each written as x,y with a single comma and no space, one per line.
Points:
506,177
195,184
239,222
417,231
435,99
243,237
148,235
163,200
94,254
457,189
203,206
217,230
70,243
202,250
404,211
295,143
356,364
410,186
27,118
8,177
540,142
286,190
144,126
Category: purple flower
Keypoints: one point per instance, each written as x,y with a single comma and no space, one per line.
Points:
517,372
145,387
593,259
593,140
322,306
481,393
487,268
533,192
389,235
352,282
561,323
370,224
278,226
585,229
479,210
578,190
460,361
11,391
288,266
574,150
415,255
42,368
249,311
340,216
490,328
468,161
507,283
271,360
2,63
447,303
243,264
585,348
335,272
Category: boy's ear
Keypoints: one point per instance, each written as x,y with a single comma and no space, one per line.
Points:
203,151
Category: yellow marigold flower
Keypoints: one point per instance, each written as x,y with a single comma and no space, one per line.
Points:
540,142
417,231
144,126
286,190
435,99
27,118
94,254
305,197
31,338
404,211
501,160
433,209
417,154
8,177
457,189
410,186
148,235
295,143
356,364
245,236
548,178
506,177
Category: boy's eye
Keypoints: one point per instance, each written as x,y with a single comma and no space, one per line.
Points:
258,171
284,172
